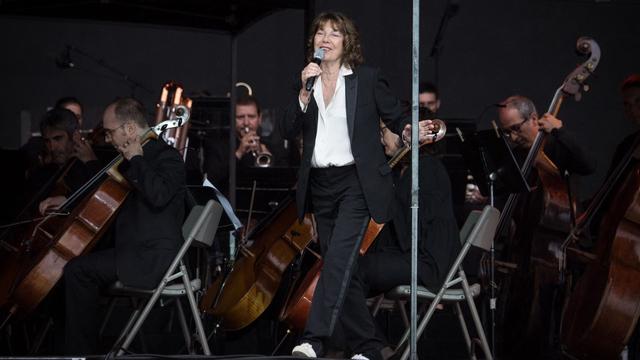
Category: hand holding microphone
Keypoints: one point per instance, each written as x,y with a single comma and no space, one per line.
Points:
309,75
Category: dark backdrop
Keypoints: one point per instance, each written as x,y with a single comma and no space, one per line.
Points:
491,49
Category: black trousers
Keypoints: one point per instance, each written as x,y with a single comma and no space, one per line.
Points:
342,216
377,273
84,276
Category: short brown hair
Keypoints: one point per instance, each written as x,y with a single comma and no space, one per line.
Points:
130,109
248,100
352,51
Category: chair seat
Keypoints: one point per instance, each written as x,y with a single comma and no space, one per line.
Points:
178,289
403,292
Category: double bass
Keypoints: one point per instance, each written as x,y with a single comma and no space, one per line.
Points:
603,308
544,219
70,231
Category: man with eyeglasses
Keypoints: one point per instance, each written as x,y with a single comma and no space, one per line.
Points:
520,122
531,301
147,230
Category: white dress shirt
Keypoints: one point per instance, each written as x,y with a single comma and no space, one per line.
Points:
333,146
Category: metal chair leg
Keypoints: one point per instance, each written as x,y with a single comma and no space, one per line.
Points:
465,330
194,310
185,328
475,317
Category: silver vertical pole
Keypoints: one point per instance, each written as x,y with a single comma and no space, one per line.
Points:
232,138
414,176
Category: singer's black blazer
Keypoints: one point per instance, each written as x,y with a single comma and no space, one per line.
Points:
368,99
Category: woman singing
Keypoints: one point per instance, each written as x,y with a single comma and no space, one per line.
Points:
344,178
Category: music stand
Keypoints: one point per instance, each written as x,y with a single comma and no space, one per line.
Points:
495,169
492,163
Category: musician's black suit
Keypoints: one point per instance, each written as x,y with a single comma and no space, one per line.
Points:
148,234
343,198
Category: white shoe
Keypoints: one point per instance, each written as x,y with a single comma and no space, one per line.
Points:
359,357
304,350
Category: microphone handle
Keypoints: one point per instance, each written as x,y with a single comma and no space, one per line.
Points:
310,81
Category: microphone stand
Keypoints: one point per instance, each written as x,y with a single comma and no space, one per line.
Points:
133,84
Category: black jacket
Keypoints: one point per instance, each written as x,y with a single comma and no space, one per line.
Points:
148,228
438,236
368,99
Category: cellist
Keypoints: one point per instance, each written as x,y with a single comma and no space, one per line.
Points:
147,230
64,146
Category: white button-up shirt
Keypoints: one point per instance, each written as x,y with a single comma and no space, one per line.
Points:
333,146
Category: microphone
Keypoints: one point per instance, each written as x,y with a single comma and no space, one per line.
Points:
317,58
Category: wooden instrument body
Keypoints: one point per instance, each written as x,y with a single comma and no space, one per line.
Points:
542,225
57,240
296,310
604,307
255,278
39,260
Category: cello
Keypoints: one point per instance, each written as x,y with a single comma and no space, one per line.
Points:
603,309
246,292
70,231
544,219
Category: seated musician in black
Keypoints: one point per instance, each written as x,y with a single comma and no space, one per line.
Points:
35,151
147,229
70,157
520,123
388,263
532,307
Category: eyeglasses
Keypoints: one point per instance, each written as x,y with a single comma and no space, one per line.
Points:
108,133
515,128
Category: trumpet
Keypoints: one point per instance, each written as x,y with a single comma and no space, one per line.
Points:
262,159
